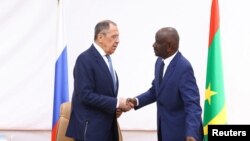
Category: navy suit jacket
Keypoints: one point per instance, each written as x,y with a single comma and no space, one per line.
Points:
94,100
178,101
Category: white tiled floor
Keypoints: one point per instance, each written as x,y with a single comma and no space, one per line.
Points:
45,136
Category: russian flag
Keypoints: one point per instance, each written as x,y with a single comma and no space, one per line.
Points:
61,91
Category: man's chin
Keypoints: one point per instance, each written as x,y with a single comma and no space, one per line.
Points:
112,52
156,54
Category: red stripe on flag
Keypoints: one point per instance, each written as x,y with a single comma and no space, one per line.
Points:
214,20
54,132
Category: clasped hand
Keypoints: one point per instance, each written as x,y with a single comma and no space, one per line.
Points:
125,105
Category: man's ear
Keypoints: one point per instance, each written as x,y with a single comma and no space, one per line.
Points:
100,36
170,47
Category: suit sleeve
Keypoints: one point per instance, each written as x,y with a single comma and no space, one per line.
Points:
149,96
191,97
146,98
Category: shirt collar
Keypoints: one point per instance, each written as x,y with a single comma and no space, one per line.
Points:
99,49
169,59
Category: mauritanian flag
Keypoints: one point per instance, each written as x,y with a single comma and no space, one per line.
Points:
61,92
214,106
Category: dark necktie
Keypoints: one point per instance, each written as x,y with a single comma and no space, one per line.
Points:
161,72
111,70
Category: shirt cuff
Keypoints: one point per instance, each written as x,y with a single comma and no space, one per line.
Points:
137,101
117,104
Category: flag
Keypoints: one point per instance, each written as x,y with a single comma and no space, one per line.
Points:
214,104
61,92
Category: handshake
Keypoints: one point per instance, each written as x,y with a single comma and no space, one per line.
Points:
125,105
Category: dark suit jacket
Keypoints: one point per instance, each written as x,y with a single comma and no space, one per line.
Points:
178,101
93,101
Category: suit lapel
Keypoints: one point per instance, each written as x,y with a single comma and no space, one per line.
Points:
103,65
170,69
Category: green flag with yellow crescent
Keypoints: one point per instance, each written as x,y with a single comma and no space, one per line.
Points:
214,106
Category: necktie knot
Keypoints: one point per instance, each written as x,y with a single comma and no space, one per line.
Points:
109,58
